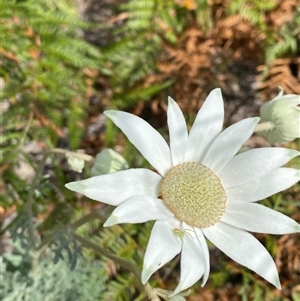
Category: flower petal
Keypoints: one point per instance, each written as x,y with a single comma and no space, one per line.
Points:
207,126
139,209
265,186
115,188
258,218
163,246
178,132
205,251
253,164
145,138
245,249
193,260
228,143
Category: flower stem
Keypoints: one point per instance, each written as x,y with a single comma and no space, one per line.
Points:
86,218
30,198
264,126
84,157
152,295
126,264
35,181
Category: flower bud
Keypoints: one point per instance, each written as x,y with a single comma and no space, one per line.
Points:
75,163
283,116
108,161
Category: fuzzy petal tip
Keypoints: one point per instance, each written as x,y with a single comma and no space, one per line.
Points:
77,186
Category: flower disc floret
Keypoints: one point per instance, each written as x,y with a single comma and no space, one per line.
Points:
194,194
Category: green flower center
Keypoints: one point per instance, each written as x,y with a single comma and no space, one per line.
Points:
194,194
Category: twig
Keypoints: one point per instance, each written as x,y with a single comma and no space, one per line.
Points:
35,182
65,152
170,269
30,197
124,263
89,217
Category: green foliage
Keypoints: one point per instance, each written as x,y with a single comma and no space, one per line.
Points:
279,203
43,71
149,23
45,67
39,279
253,11
254,290
16,190
138,93
42,64
296,295
127,241
277,43
120,289
33,275
204,14
220,277
68,244
164,19
286,39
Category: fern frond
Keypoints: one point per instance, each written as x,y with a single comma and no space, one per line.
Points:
130,97
121,289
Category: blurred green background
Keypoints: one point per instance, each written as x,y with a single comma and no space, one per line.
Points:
63,63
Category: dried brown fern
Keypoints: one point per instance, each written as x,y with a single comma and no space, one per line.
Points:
201,61
191,63
229,293
239,38
282,13
288,255
284,73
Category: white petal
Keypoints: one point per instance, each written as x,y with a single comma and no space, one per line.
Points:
207,126
178,132
280,93
145,138
228,143
258,218
245,249
254,164
163,246
193,260
275,181
292,99
205,251
139,209
115,188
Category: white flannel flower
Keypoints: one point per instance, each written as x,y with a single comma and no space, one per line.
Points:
202,190
283,114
